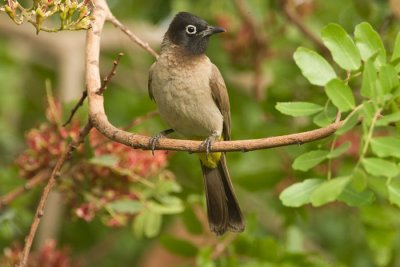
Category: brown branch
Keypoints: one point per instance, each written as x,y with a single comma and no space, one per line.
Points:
32,182
260,41
292,16
100,121
56,171
257,31
75,109
60,162
130,34
220,247
135,122
100,91
111,74
54,175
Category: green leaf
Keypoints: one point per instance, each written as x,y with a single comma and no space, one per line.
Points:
394,192
329,191
396,48
359,180
294,240
325,117
349,123
396,64
370,76
165,187
298,109
313,66
380,216
368,112
126,206
152,224
204,257
104,160
354,198
386,146
387,119
388,78
298,194
309,159
138,225
340,94
342,47
339,150
172,208
147,223
369,43
179,246
381,240
380,167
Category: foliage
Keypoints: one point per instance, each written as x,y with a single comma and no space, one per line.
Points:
379,92
333,202
73,15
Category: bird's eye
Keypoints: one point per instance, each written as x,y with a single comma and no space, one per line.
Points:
190,29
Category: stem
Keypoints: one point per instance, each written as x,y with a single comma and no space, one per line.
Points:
329,174
368,139
52,180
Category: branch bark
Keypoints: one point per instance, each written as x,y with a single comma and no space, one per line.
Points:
294,18
100,121
54,175
32,182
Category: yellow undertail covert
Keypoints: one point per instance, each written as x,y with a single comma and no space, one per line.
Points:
211,161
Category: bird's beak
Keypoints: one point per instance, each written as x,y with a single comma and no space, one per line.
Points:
212,30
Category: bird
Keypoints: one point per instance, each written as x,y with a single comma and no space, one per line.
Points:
192,98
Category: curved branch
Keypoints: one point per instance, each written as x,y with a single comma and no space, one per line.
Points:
100,121
32,182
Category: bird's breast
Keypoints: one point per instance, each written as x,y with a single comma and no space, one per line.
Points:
184,99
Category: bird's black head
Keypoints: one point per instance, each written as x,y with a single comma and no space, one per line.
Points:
191,33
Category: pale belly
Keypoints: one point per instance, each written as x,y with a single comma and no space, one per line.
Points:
189,108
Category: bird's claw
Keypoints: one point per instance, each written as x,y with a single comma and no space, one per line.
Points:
208,142
155,139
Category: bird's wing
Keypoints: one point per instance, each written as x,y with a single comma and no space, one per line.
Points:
149,88
221,98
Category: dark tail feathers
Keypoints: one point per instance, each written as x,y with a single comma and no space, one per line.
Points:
222,207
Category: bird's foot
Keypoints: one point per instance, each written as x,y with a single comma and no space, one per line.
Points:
155,139
208,142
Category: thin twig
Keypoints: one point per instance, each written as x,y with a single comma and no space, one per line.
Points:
131,35
220,247
73,145
75,109
101,89
257,31
32,182
292,16
111,74
54,175
260,50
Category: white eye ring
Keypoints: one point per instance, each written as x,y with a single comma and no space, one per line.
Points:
190,29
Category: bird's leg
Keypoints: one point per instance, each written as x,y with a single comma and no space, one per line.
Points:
208,142
154,140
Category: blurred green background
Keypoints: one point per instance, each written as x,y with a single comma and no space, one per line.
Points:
256,77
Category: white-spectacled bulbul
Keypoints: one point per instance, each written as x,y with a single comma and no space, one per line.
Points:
191,97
